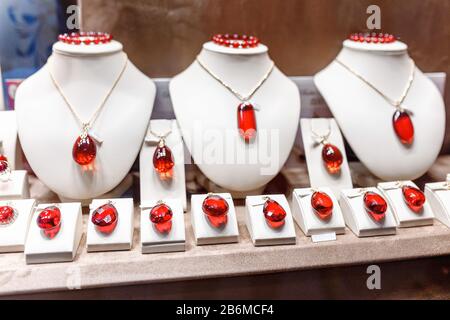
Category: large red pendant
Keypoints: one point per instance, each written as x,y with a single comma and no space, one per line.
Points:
84,150
332,158
414,198
163,161
49,220
274,213
105,218
161,216
403,127
7,215
246,121
216,210
375,206
322,205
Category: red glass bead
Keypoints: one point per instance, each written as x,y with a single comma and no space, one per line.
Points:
246,121
161,216
274,213
84,150
49,220
163,161
87,41
7,215
3,157
414,198
216,210
403,127
322,205
105,218
332,158
375,206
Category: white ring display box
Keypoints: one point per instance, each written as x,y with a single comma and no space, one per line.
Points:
121,238
260,232
63,247
153,241
358,219
204,231
404,216
438,195
310,223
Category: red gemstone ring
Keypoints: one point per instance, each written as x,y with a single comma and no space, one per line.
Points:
49,221
372,37
161,217
85,38
375,206
235,40
8,215
274,213
414,198
105,218
322,205
216,209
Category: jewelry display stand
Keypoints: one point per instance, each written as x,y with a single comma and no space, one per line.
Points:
122,236
152,241
318,174
85,74
260,232
13,236
152,186
366,119
207,115
358,220
438,195
307,220
204,232
16,187
63,247
404,216
9,143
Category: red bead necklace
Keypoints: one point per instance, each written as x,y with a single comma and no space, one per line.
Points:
235,40
372,37
85,38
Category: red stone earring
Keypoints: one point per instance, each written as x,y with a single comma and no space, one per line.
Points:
8,214
163,161
49,221
274,213
414,198
216,209
331,155
105,218
161,217
375,206
322,205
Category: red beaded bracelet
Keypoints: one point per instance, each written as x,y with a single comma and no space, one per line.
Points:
235,40
372,37
85,37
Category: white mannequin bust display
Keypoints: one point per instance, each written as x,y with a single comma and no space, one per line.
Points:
365,117
48,130
207,115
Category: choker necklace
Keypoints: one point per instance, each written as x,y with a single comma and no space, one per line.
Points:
84,149
246,119
401,120
331,155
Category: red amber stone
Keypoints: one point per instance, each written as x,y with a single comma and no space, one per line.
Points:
7,215
322,205
3,166
3,157
246,121
332,158
105,218
163,161
274,213
84,150
49,220
161,216
403,127
375,205
414,198
216,210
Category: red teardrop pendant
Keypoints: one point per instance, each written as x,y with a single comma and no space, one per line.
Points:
7,215
216,210
163,161
105,218
414,198
274,213
375,205
84,150
161,216
403,127
246,121
332,158
49,220
322,205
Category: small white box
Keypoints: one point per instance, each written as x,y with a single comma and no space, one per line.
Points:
308,220
13,236
153,241
63,247
122,236
16,187
357,218
261,233
203,231
404,216
438,195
